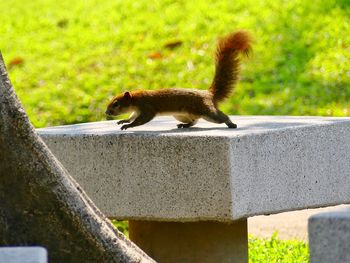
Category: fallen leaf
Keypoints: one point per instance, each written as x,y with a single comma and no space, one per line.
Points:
173,44
16,61
155,55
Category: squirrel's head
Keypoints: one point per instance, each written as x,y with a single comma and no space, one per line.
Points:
120,104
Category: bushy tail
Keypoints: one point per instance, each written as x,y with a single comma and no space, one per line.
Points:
227,63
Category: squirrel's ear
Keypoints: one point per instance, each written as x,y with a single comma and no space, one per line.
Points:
127,95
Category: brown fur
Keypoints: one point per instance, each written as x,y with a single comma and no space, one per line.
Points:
227,63
187,105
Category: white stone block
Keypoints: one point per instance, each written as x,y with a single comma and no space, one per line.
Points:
329,237
270,164
23,255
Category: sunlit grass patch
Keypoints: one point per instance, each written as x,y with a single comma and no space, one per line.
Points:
68,58
275,250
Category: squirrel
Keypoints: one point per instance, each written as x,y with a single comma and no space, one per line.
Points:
188,105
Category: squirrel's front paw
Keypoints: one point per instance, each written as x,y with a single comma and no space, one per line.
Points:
122,121
124,127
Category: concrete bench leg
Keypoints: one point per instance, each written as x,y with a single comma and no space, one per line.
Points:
169,242
329,236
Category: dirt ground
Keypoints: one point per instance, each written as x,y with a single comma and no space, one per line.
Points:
290,225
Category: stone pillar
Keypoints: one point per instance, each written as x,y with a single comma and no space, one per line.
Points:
329,236
204,241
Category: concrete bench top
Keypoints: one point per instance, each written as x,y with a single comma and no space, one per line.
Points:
155,172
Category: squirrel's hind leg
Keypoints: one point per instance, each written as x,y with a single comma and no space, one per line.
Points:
219,117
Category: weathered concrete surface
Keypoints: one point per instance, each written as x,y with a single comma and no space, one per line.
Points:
158,172
329,237
204,242
23,255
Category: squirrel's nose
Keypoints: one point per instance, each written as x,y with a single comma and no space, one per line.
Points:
108,112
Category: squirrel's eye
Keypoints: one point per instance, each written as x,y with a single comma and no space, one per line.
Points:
115,104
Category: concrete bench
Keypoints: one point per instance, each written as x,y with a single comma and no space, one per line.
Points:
329,236
187,193
23,255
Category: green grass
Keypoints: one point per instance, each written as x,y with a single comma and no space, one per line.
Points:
274,250
77,54
271,250
122,226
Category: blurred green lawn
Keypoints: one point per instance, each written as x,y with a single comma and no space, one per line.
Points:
67,58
